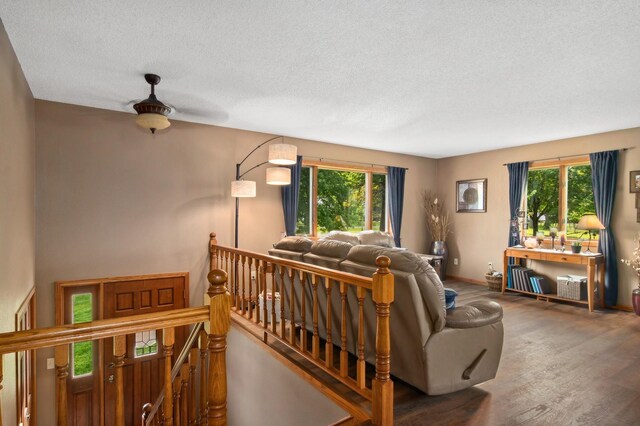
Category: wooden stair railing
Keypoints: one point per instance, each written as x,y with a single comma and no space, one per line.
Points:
275,275
213,402
185,358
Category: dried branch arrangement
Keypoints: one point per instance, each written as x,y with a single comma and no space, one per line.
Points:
437,219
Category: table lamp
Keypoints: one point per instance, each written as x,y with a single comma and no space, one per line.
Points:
589,223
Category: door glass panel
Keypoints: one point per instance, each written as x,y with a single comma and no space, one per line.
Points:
82,311
146,343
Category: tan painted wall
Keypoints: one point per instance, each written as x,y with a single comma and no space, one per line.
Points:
17,208
277,394
481,237
115,200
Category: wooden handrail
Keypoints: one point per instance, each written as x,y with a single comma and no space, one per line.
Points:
352,279
101,329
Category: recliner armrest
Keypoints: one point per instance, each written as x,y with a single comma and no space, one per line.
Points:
474,314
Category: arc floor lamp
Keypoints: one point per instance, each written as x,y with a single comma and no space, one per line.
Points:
280,154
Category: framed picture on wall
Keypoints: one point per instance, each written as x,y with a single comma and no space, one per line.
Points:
634,181
471,196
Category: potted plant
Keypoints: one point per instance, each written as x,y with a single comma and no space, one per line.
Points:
576,246
634,263
439,226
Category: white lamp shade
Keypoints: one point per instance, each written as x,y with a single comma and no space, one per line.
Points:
153,121
278,176
283,154
243,188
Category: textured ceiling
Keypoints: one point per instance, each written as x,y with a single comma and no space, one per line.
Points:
432,78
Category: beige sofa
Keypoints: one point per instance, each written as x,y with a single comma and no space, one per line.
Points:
435,350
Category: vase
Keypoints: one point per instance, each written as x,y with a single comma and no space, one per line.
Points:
439,248
635,300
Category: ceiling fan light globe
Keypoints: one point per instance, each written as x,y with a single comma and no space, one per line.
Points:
283,154
153,121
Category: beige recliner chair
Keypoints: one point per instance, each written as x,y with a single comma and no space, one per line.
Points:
435,350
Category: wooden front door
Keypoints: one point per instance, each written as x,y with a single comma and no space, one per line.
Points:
143,367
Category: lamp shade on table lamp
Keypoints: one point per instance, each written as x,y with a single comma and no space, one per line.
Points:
589,222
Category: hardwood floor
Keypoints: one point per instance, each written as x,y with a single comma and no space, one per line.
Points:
560,365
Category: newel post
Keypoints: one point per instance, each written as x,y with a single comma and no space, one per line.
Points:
1,378
382,384
220,322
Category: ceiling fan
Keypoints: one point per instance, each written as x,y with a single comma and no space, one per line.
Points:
152,113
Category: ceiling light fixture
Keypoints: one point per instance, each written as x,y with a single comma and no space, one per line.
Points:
152,114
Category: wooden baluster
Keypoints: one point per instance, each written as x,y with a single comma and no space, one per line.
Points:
193,365
233,282
271,269
203,377
62,372
383,295
328,347
226,261
184,394
283,325
315,340
344,355
303,312
119,351
168,339
361,364
258,289
1,385
249,302
242,261
263,278
292,307
213,243
219,324
176,401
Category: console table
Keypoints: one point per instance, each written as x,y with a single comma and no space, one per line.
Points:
591,261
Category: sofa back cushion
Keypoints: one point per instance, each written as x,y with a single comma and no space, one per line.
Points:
331,248
294,243
431,288
376,238
343,236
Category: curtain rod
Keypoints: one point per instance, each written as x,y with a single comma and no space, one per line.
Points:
349,161
569,156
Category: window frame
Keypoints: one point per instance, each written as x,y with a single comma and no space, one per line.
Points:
562,164
368,171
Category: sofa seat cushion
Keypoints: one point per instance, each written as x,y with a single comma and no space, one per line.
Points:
294,243
474,314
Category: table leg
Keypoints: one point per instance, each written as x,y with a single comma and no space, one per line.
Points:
591,275
505,266
601,269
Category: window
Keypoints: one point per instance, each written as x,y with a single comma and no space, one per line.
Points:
558,195
82,311
341,198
